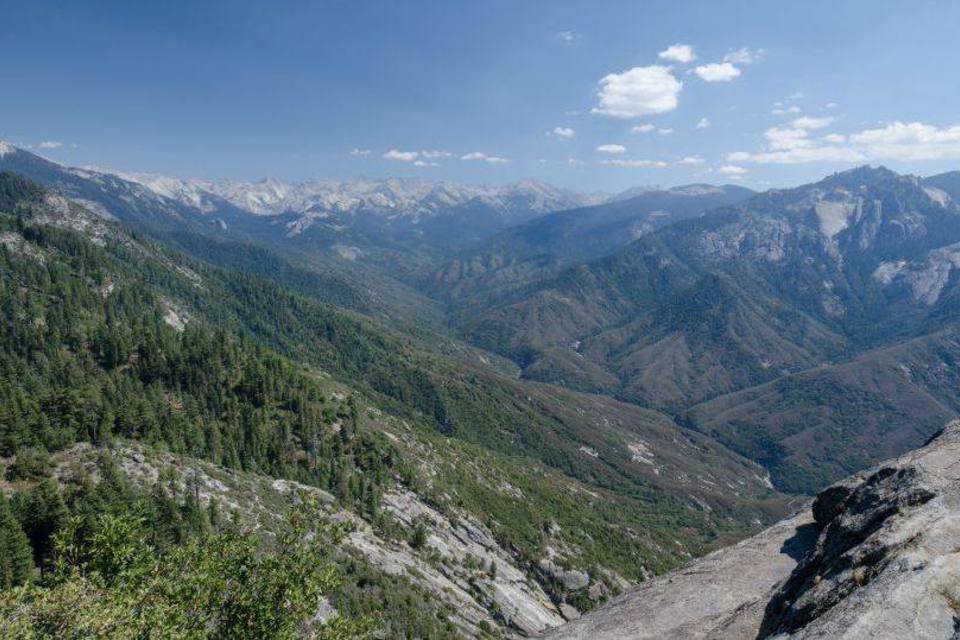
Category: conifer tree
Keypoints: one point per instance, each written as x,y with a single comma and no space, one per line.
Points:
16,557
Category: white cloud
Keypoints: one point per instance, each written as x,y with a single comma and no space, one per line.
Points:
744,55
50,144
665,132
634,164
796,95
894,141
809,123
573,162
786,138
568,37
401,156
642,128
360,152
780,110
479,155
732,170
726,70
639,91
682,53
691,160
416,158
614,149
831,105
564,132
799,155
703,123
910,141
717,72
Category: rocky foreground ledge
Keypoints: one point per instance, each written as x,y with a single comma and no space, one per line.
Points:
876,556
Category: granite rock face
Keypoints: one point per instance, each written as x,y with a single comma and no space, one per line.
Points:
720,596
876,556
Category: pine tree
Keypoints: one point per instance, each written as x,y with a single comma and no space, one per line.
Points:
41,511
16,557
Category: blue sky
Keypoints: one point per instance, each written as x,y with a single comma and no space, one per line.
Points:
587,95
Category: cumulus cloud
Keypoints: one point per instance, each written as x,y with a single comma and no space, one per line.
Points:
563,132
637,92
568,37
634,164
909,141
787,138
482,157
717,72
642,128
357,151
691,160
798,155
50,144
727,70
614,149
831,105
744,55
703,123
401,156
682,53
894,141
732,170
665,132
416,158
809,123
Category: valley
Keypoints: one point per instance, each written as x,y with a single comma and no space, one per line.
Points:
584,400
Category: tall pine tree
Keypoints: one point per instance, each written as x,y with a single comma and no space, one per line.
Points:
16,557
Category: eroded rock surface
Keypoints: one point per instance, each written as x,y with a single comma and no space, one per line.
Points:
876,556
720,596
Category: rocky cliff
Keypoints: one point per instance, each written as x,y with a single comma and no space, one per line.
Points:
875,556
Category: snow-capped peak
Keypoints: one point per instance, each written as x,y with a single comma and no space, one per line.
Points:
390,198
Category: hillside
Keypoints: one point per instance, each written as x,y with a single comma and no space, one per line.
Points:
114,340
224,235
815,426
786,282
533,251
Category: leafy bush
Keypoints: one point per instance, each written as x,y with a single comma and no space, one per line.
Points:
109,581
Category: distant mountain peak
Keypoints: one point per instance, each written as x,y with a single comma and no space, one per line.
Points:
694,190
867,174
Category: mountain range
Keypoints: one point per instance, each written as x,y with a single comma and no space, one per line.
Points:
777,287
592,389
137,373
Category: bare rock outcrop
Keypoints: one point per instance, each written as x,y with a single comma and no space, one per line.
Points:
721,596
876,556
